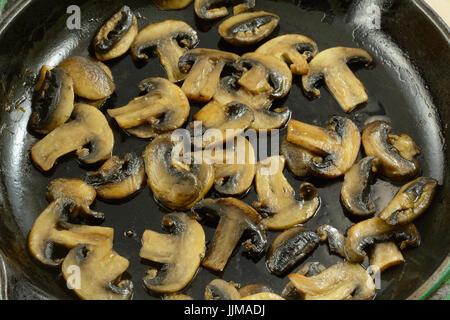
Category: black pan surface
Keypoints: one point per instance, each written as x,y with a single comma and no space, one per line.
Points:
408,86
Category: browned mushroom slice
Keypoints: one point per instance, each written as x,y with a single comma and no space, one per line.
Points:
294,49
385,255
263,296
177,296
309,269
163,108
118,177
331,65
335,239
235,219
396,153
298,159
100,269
373,230
341,281
337,146
116,35
289,248
355,191
88,127
410,202
278,199
172,4
176,186
180,252
170,39
91,79
248,27
254,288
204,67
215,9
219,289
220,123
53,101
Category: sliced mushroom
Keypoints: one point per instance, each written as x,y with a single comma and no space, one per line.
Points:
163,108
355,191
177,296
215,9
335,239
396,153
219,289
341,281
294,49
180,252
53,102
248,27
373,230
278,199
410,202
118,177
263,296
298,159
100,269
204,67
289,248
88,127
336,147
235,219
385,255
116,36
176,186
254,288
91,79
331,65
172,4
170,39
309,269
220,123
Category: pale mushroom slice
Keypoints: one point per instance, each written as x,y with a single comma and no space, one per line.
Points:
175,184
410,201
118,177
172,4
341,281
294,49
116,36
385,255
204,67
355,191
219,289
217,123
177,296
396,153
163,108
248,27
170,39
53,100
91,79
336,147
215,9
308,269
235,220
263,296
331,65
277,198
180,252
87,127
100,269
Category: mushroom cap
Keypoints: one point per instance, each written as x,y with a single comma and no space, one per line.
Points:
215,9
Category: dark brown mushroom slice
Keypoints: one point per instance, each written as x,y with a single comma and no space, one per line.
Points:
308,269
385,255
235,219
294,49
116,36
163,108
53,101
118,177
336,146
334,238
215,9
170,39
100,270
175,184
374,230
91,79
219,289
355,191
396,153
172,4
248,27
331,65
341,281
289,248
180,252
410,201
254,288
277,198
298,159
87,127
204,67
